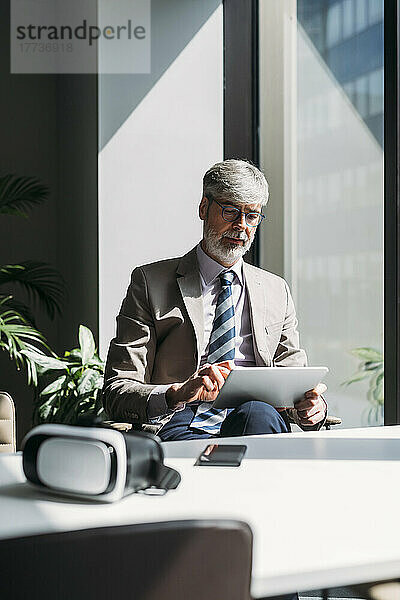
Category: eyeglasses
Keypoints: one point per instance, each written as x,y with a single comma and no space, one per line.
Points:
231,214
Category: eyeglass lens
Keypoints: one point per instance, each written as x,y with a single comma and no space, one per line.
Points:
232,214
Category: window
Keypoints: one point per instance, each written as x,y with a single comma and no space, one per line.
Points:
362,95
375,10
333,24
376,92
348,18
321,147
361,15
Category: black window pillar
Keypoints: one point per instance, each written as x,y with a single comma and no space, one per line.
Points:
391,210
241,123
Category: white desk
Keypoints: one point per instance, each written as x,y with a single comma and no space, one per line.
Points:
323,506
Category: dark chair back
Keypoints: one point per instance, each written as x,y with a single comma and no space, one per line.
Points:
177,560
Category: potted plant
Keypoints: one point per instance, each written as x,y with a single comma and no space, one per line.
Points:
69,386
65,387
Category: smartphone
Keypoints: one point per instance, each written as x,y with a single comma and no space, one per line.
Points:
221,455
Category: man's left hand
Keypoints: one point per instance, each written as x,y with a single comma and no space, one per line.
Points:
312,409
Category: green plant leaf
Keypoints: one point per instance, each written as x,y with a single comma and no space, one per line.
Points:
97,362
18,194
75,391
67,413
18,337
367,354
371,415
40,280
99,383
87,344
88,381
379,394
377,387
359,376
74,355
54,386
377,377
45,410
372,366
48,363
21,308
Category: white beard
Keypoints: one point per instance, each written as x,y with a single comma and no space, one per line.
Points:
224,251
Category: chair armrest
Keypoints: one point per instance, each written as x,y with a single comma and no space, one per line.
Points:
331,420
124,427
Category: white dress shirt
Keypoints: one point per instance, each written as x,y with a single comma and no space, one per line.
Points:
210,270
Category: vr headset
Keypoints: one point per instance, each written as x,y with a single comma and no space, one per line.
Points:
95,463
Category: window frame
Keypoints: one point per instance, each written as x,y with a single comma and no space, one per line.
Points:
391,213
241,111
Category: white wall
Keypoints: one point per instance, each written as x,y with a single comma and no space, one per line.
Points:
150,171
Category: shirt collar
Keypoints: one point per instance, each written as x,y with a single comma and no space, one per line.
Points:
210,269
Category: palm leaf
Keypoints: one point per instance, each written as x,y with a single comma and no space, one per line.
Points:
40,280
17,337
45,362
21,308
18,194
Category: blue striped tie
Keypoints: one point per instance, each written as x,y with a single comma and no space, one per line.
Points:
221,347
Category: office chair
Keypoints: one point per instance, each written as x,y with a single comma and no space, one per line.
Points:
7,423
331,421
177,560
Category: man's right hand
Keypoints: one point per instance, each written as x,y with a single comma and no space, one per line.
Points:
204,385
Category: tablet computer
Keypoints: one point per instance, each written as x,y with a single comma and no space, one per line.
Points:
279,386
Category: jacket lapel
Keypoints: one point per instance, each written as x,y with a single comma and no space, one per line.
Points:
258,313
190,288
188,278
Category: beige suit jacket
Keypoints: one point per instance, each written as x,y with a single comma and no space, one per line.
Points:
160,332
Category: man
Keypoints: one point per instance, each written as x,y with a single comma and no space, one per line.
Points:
186,322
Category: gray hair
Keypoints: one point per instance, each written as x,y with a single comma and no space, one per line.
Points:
237,181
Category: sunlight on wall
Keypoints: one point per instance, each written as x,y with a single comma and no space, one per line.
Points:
150,172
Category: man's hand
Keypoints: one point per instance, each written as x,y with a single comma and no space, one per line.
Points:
204,385
311,410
